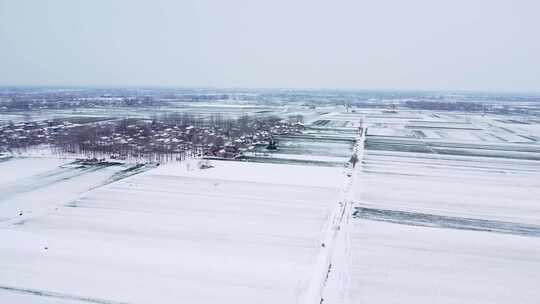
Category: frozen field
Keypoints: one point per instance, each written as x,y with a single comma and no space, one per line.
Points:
236,233
437,225
443,207
396,263
305,149
460,186
320,144
32,186
198,109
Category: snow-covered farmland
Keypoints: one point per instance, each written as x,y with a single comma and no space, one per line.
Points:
305,149
236,233
462,186
452,220
442,208
395,263
32,186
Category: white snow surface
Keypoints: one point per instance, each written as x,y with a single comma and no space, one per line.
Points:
462,186
252,233
236,233
393,263
32,187
21,167
398,260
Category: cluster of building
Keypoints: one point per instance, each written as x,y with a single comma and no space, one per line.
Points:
25,134
150,140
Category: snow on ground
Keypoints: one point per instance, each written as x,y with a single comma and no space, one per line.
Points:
14,168
390,132
440,228
393,263
236,233
429,219
327,150
8,296
30,187
463,186
285,156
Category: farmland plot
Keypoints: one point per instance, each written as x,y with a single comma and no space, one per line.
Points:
236,233
305,149
320,144
32,186
440,229
395,263
432,227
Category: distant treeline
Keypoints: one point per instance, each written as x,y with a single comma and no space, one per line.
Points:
465,106
28,104
448,106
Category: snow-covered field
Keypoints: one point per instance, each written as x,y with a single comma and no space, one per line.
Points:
199,109
461,186
32,186
430,227
236,233
396,263
442,208
307,150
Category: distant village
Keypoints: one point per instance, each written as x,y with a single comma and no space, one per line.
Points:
171,137
29,100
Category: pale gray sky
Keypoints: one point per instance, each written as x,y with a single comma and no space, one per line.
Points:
358,44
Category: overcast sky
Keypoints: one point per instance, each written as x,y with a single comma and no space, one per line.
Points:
358,44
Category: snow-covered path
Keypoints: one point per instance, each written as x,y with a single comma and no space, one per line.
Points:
322,288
